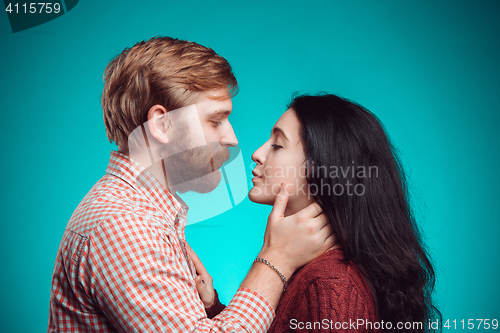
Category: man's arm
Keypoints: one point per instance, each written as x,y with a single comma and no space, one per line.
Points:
135,273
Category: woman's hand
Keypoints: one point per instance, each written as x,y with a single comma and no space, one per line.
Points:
204,282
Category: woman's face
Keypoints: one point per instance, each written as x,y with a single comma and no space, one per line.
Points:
281,160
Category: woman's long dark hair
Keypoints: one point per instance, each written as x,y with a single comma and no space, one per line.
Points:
355,174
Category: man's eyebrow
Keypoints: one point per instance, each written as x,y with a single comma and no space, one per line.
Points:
220,112
279,130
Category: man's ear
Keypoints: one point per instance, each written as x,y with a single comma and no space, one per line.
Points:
158,123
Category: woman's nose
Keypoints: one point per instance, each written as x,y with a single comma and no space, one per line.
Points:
259,155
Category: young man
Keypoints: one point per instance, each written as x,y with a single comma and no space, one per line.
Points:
123,263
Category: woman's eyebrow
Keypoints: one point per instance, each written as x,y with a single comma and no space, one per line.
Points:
279,130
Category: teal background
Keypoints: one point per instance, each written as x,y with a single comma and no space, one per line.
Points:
429,69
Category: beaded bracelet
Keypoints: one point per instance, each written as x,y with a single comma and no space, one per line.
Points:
283,278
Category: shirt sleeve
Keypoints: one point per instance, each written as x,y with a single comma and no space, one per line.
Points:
137,275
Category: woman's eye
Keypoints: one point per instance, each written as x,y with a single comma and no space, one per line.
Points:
275,146
217,123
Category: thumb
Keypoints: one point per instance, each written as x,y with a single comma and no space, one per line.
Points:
200,283
279,205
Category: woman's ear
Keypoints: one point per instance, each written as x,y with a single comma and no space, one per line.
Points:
158,123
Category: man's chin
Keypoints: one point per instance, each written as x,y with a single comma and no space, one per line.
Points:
204,184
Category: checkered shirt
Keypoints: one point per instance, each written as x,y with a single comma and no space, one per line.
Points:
122,265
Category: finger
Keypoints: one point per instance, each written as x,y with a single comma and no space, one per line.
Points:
313,210
279,205
196,261
327,231
328,235
321,226
332,240
322,220
318,223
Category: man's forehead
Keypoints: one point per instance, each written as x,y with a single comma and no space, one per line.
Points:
215,107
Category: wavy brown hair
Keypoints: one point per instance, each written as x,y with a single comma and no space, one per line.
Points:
163,70
375,223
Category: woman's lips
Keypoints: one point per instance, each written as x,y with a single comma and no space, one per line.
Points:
255,176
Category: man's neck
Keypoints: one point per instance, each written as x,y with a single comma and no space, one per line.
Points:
156,169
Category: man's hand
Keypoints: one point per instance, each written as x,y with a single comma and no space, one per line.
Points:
204,282
291,242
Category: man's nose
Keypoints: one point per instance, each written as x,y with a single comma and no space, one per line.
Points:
228,138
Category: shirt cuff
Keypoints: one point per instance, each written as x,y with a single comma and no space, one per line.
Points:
250,310
216,308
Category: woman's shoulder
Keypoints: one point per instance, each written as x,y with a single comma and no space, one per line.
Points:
327,288
329,266
330,273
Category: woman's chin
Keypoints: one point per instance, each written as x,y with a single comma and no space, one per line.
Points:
255,196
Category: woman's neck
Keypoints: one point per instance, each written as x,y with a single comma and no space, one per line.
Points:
297,203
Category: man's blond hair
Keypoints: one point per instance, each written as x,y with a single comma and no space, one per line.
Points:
162,70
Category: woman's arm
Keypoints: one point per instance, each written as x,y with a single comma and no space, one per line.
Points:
216,307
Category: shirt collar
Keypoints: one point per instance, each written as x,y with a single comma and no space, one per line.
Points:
143,181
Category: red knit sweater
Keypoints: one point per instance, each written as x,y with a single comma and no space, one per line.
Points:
325,295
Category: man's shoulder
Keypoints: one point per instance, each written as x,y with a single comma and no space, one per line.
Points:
110,200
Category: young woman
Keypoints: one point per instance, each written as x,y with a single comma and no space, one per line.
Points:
378,277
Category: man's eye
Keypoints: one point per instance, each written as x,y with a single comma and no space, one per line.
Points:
275,146
217,123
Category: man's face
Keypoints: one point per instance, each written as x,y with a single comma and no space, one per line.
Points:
214,108
196,166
